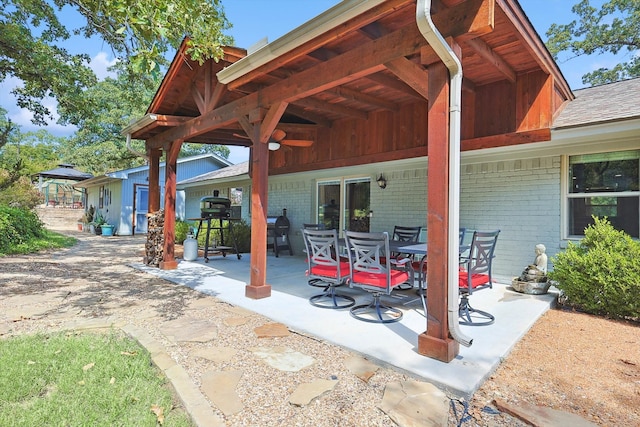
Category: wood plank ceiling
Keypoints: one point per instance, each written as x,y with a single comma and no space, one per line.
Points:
343,74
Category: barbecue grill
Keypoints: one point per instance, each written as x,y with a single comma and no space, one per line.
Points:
278,232
215,207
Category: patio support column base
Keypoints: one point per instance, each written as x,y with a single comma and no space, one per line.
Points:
443,350
257,292
168,265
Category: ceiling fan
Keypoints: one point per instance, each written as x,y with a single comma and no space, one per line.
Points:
278,138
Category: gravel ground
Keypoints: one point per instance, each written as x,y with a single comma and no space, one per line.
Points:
568,361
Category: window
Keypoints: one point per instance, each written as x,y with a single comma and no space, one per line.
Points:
344,204
604,185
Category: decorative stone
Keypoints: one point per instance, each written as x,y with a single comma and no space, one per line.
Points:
190,329
283,358
216,354
540,416
361,367
220,388
270,330
413,403
305,393
235,321
531,288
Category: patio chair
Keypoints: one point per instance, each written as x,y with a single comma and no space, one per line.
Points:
313,226
475,274
371,270
408,235
326,269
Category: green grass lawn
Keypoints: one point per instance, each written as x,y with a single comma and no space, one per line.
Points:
49,240
83,379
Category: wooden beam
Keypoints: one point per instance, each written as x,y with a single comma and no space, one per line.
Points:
485,51
312,116
364,98
394,83
271,120
436,342
369,16
361,61
331,108
507,139
154,179
411,73
169,230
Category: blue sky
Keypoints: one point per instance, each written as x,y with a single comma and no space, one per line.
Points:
254,20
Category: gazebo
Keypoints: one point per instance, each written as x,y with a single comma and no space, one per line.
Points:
367,81
57,186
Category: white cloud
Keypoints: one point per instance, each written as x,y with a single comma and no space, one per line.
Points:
100,64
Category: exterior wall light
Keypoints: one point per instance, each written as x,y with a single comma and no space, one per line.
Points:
382,182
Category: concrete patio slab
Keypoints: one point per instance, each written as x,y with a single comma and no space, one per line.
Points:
392,344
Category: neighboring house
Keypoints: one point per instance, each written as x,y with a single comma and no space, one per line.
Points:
123,196
57,186
535,193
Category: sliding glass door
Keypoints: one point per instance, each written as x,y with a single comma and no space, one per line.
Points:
344,203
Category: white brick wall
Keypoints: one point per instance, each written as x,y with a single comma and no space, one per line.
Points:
519,197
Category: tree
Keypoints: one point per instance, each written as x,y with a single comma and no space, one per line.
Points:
139,33
614,28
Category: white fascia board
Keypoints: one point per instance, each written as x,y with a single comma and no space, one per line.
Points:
141,123
614,136
337,15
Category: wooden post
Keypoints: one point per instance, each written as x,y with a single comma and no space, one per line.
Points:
436,342
168,254
257,287
154,177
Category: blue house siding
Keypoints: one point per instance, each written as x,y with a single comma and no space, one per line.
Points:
120,211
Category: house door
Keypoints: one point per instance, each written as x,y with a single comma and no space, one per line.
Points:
344,204
141,208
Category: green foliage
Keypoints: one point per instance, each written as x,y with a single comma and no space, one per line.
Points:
241,231
17,226
613,28
21,193
139,33
181,230
66,379
600,275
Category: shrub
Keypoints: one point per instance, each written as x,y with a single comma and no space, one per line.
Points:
18,225
181,230
241,230
600,275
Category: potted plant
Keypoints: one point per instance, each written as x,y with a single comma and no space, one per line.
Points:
98,222
86,219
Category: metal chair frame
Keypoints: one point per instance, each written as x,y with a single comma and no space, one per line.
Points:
371,270
475,274
326,269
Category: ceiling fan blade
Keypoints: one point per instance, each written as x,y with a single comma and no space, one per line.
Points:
278,135
237,135
297,142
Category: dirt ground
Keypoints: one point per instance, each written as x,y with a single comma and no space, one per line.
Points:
568,361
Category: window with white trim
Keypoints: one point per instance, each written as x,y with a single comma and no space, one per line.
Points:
604,185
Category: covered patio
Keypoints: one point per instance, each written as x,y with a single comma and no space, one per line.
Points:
392,344
363,83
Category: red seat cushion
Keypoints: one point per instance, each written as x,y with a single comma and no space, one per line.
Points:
476,280
330,271
379,279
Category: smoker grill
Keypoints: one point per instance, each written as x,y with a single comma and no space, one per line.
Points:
215,207
278,232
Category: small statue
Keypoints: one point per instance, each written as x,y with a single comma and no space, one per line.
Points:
536,272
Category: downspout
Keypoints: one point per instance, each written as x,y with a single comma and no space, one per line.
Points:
450,60
137,153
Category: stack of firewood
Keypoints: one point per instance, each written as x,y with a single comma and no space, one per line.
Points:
155,238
